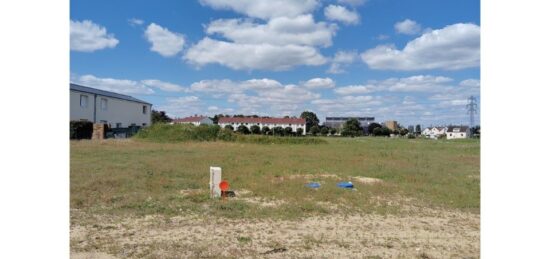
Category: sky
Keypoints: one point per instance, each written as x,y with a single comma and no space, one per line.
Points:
416,62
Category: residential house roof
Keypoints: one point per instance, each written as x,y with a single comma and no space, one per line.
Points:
452,129
262,120
90,90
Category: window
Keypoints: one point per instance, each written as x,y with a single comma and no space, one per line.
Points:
450,134
103,104
119,125
84,101
144,109
144,124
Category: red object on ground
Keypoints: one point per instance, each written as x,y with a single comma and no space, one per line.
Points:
224,185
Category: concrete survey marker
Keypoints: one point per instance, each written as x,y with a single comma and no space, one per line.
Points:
215,179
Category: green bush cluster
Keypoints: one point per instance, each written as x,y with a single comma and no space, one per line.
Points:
187,132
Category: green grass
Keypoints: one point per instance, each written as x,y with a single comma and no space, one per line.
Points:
143,177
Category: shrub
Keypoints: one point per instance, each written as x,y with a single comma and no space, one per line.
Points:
278,131
179,132
81,129
265,130
377,131
315,130
299,131
324,131
255,129
229,127
288,131
243,130
352,128
333,131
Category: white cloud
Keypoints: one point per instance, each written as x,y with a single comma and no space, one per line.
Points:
408,27
135,21
355,89
319,83
122,86
299,30
87,36
340,60
164,86
470,83
216,86
264,9
163,41
382,37
451,48
241,56
261,84
341,14
352,2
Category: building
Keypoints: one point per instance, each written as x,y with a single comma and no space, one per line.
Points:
458,132
116,110
338,122
235,122
392,125
195,120
434,132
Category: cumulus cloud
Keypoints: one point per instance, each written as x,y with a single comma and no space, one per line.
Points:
319,83
341,14
241,56
451,48
300,30
352,2
340,60
163,41
87,36
355,89
164,86
135,21
122,86
419,83
408,27
264,9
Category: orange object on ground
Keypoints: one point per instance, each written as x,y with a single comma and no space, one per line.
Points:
224,185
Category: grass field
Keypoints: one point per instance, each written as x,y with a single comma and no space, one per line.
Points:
113,181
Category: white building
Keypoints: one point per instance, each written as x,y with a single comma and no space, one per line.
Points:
457,132
195,120
117,110
235,122
434,132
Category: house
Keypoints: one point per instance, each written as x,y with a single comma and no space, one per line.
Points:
235,122
116,110
456,132
434,132
392,125
338,122
195,120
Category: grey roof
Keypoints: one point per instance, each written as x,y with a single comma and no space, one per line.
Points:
347,118
450,129
86,89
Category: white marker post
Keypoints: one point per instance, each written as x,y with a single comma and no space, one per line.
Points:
215,179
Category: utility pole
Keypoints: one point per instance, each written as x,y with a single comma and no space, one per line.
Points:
472,109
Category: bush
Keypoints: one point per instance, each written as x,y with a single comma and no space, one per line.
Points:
333,131
314,130
299,131
179,132
324,131
352,128
243,130
278,131
229,127
255,129
288,131
81,129
265,130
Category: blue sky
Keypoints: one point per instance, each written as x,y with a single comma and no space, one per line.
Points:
416,62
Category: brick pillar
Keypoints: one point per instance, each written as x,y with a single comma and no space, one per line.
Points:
99,131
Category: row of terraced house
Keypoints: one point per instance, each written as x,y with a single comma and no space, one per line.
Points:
235,122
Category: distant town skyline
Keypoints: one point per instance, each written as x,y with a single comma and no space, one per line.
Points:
416,62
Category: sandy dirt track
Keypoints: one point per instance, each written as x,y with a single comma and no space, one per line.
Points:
430,234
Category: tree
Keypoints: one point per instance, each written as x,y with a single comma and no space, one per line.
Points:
243,130
229,127
311,119
333,131
324,131
418,129
279,131
255,129
386,131
403,132
352,128
299,131
159,117
314,130
265,130
377,131
288,131
372,126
